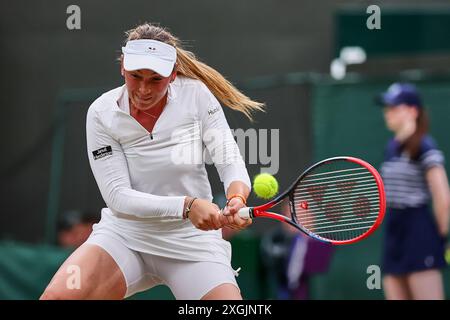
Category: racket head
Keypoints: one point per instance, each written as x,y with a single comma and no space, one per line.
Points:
340,200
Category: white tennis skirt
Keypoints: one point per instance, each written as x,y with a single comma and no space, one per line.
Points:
188,280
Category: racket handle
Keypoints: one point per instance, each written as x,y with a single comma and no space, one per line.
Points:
245,213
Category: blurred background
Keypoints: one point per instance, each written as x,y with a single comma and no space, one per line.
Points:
288,54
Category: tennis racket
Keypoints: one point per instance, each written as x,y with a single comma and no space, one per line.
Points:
338,200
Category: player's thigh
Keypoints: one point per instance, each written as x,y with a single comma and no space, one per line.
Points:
426,285
89,273
396,287
197,280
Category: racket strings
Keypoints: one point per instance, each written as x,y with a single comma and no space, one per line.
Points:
337,201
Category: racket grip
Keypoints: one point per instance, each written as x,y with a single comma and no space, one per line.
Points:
245,213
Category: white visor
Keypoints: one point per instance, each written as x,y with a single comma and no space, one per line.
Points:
149,54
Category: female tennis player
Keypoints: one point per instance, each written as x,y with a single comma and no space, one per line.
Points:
413,174
146,141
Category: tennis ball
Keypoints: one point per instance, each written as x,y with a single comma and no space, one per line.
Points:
447,256
265,185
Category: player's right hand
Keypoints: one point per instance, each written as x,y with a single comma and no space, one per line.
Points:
230,216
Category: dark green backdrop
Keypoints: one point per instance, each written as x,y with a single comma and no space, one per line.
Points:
346,121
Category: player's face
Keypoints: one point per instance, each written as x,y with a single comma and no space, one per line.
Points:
397,116
146,88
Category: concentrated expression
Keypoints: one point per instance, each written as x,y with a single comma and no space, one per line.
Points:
146,88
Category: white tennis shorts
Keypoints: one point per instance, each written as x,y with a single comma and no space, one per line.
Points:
188,280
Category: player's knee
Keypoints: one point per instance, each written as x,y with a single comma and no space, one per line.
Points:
50,294
225,291
55,294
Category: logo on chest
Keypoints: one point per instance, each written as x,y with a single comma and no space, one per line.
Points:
102,152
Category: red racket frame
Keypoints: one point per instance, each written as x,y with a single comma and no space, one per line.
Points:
260,211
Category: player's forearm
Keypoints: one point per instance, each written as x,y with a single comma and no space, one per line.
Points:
238,187
143,205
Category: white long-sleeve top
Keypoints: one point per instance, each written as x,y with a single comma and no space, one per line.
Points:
144,176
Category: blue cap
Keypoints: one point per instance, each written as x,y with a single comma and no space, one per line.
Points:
400,93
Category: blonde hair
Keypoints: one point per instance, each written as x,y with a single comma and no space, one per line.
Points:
189,66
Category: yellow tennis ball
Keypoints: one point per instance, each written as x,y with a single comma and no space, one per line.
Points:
265,185
447,256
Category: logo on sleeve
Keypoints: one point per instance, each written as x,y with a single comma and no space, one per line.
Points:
212,111
103,152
